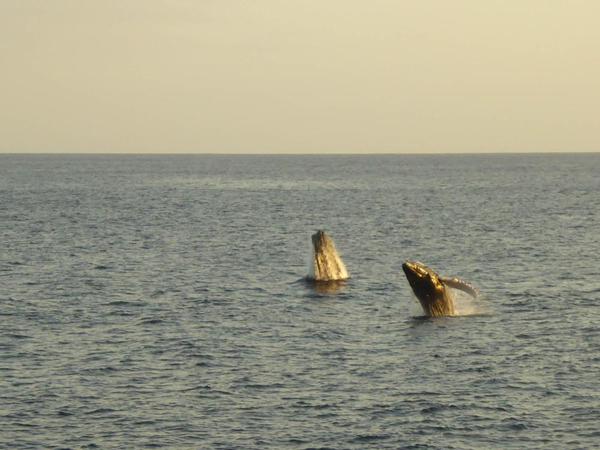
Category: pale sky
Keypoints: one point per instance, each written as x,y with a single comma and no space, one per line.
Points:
299,76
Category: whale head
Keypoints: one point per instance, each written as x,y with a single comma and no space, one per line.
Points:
326,264
321,241
425,283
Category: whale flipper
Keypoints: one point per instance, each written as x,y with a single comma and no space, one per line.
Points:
462,285
325,264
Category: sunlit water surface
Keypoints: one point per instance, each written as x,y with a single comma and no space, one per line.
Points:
154,302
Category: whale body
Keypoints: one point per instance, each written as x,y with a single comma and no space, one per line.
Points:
325,263
433,291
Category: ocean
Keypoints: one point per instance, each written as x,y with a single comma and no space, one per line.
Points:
158,302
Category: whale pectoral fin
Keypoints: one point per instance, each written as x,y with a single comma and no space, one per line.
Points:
462,285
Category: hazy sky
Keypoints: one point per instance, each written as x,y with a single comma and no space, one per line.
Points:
302,76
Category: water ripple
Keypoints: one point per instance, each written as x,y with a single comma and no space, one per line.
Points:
154,302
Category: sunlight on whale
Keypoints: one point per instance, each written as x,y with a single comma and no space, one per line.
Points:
435,293
325,263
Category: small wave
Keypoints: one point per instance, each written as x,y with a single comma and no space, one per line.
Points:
321,448
100,411
18,336
437,408
297,441
107,369
263,386
514,424
151,321
523,336
124,303
205,387
326,415
24,425
363,438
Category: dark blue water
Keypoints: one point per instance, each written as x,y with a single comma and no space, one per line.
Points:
154,302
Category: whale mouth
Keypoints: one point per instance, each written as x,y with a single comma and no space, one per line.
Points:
415,269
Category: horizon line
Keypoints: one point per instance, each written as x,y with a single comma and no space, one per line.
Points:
299,153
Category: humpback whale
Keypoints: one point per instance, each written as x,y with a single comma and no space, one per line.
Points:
432,290
325,263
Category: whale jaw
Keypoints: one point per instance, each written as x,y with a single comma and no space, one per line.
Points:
325,264
429,289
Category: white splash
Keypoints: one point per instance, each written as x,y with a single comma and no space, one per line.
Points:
466,305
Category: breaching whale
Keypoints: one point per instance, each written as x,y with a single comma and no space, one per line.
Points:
432,290
325,263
